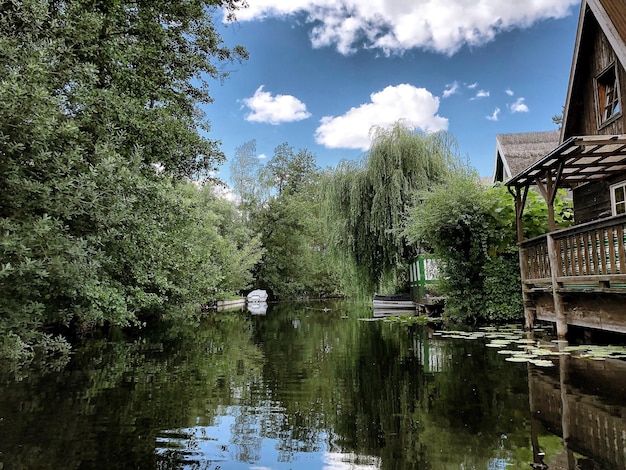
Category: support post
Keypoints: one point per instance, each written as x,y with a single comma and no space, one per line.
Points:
559,309
520,202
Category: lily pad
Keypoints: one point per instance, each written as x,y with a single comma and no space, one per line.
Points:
541,362
517,359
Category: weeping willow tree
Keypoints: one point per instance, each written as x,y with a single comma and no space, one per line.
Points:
367,202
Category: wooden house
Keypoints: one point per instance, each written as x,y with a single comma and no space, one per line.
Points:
515,152
577,276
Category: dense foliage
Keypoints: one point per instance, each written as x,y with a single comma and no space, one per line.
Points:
471,229
366,203
296,263
98,125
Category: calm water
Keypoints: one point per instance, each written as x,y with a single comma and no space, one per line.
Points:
300,388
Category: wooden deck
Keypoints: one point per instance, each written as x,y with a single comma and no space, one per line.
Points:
589,274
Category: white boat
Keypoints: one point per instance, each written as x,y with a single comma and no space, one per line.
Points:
402,301
257,295
257,308
393,312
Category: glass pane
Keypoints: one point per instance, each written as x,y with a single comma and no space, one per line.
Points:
619,194
620,208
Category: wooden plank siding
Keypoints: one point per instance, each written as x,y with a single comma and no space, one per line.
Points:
591,201
596,54
615,10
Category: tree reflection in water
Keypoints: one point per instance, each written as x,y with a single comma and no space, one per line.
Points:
301,387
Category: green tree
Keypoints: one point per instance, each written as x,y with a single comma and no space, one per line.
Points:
471,228
367,202
290,169
99,115
248,179
296,263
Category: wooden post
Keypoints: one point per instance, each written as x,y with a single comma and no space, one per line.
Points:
565,411
529,314
559,309
520,202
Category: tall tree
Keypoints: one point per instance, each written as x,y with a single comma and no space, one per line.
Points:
290,169
247,176
96,95
367,201
296,261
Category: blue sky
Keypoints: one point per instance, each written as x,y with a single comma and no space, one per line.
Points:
321,73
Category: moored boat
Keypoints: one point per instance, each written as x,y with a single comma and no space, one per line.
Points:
400,301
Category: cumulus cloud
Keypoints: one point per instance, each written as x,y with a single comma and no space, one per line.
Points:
394,26
519,106
471,86
274,109
261,156
509,92
495,115
416,107
481,94
223,191
451,89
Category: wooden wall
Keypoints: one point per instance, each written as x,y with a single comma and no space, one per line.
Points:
595,55
591,202
586,310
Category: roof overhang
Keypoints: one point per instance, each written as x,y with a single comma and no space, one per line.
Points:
578,160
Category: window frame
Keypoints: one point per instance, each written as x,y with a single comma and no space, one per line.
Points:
601,84
613,187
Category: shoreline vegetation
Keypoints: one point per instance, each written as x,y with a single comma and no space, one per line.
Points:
110,218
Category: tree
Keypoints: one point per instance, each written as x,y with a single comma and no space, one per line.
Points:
367,202
557,119
98,121
288,169
248,180
471,229
296,261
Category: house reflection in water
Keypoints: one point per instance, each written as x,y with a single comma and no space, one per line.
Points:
584,402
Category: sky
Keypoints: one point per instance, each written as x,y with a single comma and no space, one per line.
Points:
322,73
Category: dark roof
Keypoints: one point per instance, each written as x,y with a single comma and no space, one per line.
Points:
519,151
577,160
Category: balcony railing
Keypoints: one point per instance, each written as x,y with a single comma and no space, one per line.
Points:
589,256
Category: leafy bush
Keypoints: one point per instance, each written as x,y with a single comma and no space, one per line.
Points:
471,228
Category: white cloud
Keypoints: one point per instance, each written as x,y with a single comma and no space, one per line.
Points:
276,109
223,191
451,89
495,115
509,92
394,26
519,106
481,94
471,86
261,156
416,107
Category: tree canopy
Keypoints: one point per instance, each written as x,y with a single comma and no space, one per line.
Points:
366,202
99,129
471,230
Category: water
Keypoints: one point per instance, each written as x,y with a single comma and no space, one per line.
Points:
300,388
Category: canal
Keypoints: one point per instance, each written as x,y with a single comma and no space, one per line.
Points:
316,386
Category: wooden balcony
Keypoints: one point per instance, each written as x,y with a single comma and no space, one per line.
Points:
589,257
587,288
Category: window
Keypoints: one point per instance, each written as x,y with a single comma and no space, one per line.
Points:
607,95
618,198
